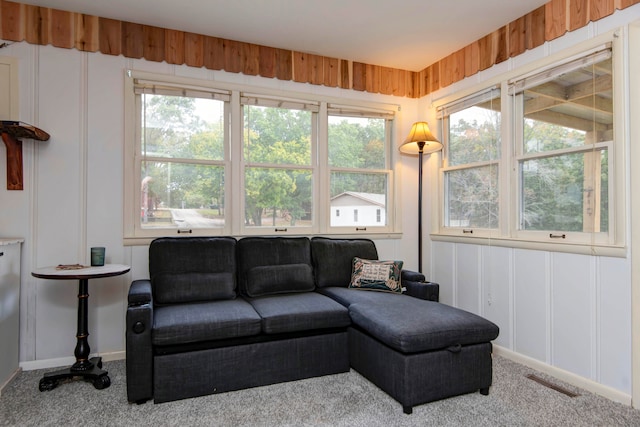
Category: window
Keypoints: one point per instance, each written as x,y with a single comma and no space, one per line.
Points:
472,132
564,136
298,163
359,165
560,176
180,158
278,174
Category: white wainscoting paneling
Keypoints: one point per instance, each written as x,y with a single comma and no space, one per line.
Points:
531,303
497,291
614,323
571,312
572,328
468,278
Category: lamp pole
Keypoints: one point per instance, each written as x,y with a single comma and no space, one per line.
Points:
420,137
420,153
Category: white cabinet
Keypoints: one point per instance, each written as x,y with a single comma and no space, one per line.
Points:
9,309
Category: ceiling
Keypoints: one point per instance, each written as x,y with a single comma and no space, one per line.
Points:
405,34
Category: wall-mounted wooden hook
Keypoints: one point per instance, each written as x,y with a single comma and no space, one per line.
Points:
11,131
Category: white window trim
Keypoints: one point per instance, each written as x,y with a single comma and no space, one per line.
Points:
444,111
507,235
311,106
133,235
390,207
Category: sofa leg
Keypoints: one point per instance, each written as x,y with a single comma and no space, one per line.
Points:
484,391
407,410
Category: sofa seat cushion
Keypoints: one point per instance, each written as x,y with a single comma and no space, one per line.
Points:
412,325
204,321
348,296
299,312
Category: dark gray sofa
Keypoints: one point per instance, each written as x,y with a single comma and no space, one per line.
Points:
219,314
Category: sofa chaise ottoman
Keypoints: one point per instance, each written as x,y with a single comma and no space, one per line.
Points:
414,349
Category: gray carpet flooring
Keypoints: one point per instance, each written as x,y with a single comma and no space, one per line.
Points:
336,400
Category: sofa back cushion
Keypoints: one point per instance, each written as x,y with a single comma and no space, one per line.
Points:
274,265
333,259
190,269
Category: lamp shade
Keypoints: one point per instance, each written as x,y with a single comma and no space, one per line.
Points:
420,132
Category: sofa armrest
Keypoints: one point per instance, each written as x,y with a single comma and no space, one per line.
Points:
139,322
418,287
140,293
411,276
423,290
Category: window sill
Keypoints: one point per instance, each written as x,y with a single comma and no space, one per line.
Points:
145,241
573,248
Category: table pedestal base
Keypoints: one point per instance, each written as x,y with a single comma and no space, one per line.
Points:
90,370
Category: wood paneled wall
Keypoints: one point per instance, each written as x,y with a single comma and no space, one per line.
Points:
64,29
543,24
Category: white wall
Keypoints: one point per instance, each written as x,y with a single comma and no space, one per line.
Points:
566,313
73,191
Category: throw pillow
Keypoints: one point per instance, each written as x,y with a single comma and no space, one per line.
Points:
376,275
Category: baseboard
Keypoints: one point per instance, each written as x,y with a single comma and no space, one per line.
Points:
67,361
566,376
8,381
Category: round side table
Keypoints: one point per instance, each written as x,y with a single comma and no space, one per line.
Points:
88,369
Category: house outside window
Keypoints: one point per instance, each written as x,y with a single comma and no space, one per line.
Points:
358,158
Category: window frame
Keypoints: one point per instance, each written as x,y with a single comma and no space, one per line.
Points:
134,158
134,234
300,105
444,113
338,110
508,235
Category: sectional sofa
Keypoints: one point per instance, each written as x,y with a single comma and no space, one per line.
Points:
219,314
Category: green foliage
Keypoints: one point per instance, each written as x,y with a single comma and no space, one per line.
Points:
357,144
474,137
277,136
554,188
175,130
277,148
473,197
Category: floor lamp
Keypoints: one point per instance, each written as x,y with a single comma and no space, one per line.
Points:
420,141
